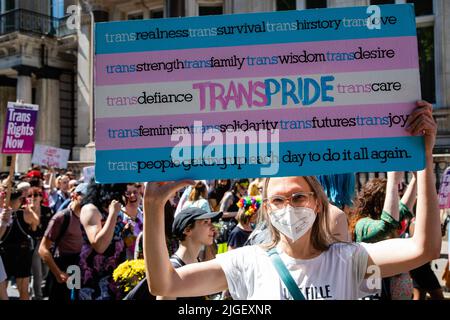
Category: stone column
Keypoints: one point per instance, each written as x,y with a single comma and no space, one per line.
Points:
253,6
47,97
23,161
7,93
191,8
347,3
300,4
442,65
175,8
85,144
442,49
84,109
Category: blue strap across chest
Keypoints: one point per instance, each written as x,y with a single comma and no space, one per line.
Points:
285,275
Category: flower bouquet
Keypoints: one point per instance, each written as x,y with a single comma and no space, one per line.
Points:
128,274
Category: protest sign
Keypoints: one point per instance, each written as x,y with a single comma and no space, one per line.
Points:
249,95
50,156
88,173
444,190
20,126
18,136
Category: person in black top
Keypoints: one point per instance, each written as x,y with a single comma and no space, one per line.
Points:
229,202
16,245
230,209
193,228
43,214
216,194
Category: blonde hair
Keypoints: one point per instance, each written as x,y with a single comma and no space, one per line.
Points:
197,191
253,188
59,178
321,236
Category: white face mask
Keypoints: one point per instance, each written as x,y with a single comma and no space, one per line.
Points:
293,222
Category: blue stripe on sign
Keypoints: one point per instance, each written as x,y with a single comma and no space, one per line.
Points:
120,30
406,154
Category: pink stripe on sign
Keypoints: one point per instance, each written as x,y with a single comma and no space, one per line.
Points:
350,122
405,56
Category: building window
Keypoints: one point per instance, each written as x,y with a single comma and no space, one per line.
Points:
425,38
9,5
422,7
380,2
136,16
207,10
157,13
316,4
283,5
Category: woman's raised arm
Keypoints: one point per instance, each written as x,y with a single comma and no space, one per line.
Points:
401,255
192,280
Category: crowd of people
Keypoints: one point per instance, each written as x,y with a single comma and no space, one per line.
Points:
226,238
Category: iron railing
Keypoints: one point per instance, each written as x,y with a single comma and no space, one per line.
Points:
27,21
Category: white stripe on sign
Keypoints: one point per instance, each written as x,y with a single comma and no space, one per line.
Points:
227,95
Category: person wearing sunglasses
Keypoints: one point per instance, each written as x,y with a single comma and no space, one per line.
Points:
302,261
133,218
41,217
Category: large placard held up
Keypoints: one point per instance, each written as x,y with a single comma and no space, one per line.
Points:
20,128
246,95
50,156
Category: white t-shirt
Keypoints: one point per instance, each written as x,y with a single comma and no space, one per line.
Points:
336,274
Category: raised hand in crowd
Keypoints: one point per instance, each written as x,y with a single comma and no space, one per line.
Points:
399,255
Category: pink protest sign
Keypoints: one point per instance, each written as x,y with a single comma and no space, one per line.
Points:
20,126
50,156
444,190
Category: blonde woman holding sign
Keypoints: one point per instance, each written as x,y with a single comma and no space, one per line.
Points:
301,243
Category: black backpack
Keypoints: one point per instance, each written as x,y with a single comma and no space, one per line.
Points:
141,292
444,225
62,231
225,230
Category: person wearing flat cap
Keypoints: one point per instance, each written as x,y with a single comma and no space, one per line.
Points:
193,227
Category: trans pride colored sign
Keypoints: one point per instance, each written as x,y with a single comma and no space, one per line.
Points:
444,190
249,95
20,127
